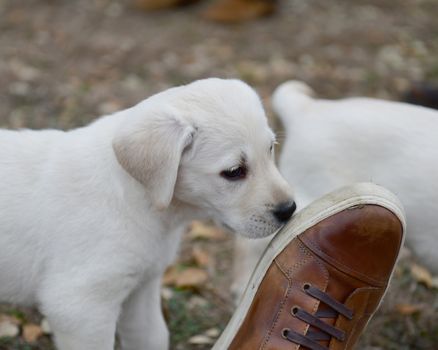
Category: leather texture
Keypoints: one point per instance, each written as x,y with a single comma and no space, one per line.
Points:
349,256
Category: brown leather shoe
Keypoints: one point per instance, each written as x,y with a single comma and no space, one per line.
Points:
323,275
233,11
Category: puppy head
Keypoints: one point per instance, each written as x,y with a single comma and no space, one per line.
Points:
208,144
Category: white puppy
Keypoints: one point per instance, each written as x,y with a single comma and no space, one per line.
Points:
330,144
90,218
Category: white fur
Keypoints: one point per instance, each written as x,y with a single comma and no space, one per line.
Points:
90,218
330,144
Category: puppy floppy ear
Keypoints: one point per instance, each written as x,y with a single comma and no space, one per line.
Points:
150,151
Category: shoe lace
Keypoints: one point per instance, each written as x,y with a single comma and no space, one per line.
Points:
325,331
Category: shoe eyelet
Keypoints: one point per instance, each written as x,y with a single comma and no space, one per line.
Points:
284,332
306,286
294,310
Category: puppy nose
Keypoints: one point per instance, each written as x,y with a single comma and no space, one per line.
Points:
284,211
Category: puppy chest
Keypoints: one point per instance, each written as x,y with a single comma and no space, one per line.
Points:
158,250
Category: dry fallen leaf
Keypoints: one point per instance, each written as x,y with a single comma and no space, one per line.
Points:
166,293
422,275
199,230
212,332
45,326
109,107
196,302
8,328
408,309
200,340
10,319
170,276
191,277
201,257
31,332
184,278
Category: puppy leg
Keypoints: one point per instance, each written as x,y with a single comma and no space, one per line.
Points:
247,253
87,325
83,312
141,324
100,340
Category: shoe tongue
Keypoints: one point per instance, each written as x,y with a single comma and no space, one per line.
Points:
329,320
339,288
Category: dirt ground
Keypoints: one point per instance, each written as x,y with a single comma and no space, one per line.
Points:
64,63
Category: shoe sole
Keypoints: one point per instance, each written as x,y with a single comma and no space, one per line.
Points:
328,205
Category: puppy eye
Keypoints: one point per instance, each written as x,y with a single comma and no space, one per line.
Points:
235,173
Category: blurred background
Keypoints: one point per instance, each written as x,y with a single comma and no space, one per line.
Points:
65,62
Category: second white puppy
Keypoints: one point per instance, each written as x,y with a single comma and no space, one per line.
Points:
333,143
90,218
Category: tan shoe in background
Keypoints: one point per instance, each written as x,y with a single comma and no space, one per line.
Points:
323,275
233,11
152,5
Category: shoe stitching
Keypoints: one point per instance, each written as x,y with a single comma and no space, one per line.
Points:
289,290
307,254
309,257
283,302
341,267
315,258
282,270
326,279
